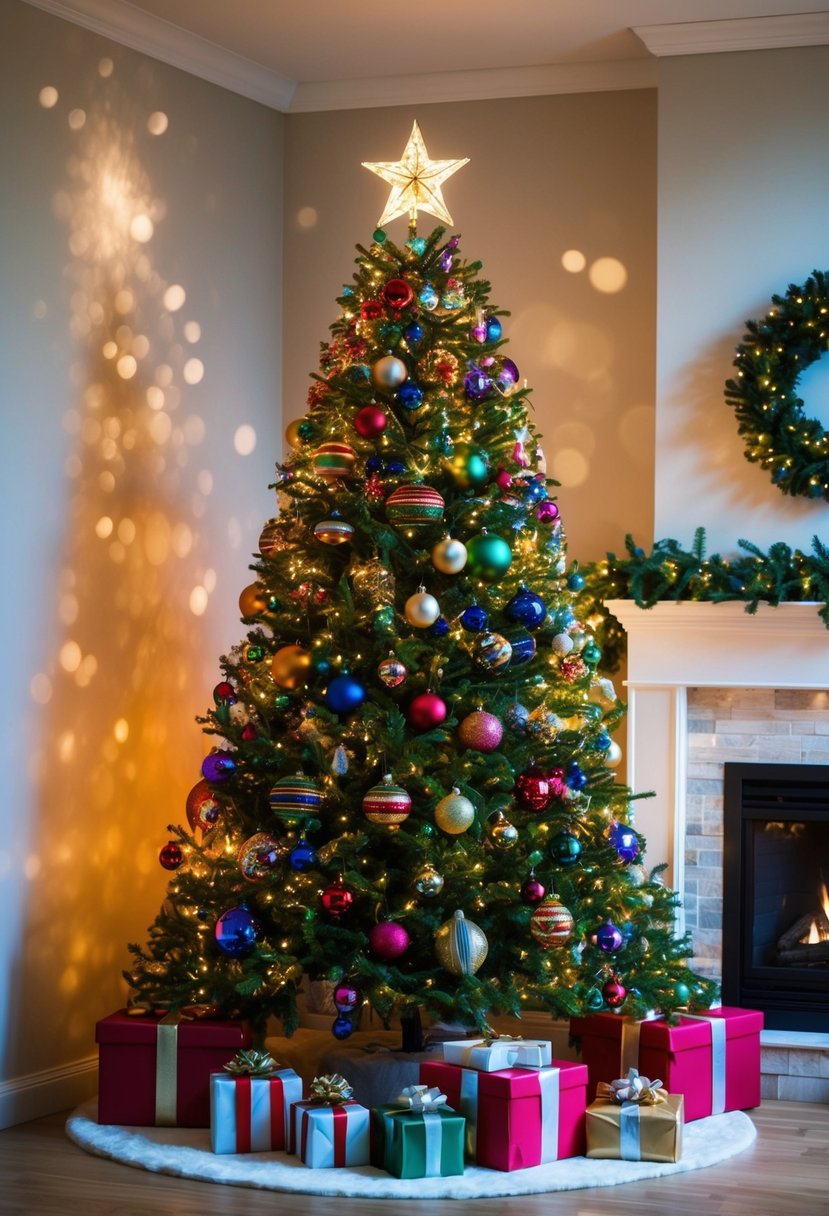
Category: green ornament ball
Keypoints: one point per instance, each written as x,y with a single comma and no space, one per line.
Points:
273,604
594,1000
379,236
282,701
255,654
469,466
592,654
306,429
682,992
490,556
382,619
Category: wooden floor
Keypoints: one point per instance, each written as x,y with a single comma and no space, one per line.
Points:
785,1173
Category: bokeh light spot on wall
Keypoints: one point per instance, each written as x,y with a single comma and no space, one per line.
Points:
574,434
76,119
40,688
66,746
121,730
608,275
209,580
32,866
160,427
571,467
69,981
307,217
126,367
164,375
105,67
70,656
109,349
48,97
192,331
182,539
198,600
141,228
193,371
174,297
573,261
106,479
155,397
126,531
124,301
104,526
157,123
205,482
68,609
244,440
156,537
86,672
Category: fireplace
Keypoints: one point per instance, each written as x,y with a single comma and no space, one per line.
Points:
776,871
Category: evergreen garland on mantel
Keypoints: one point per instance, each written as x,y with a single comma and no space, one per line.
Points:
670,572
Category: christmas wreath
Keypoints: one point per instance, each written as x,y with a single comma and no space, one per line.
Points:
769,361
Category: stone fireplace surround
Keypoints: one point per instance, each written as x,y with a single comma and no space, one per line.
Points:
709,683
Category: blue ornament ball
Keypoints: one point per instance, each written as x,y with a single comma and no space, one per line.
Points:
474,618
523,646
576,778
413,333
603,741
439,628
344,694
493,329
625,841
526,608
303,856
575,582
608,937
393,468
236,931
477,385
628,931
410,395
517,717
374,464
535,491
565,848
341,1027
429,298
417,245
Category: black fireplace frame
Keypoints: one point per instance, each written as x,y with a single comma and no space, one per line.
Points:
793,998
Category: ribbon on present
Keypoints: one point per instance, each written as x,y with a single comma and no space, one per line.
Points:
493,1053
166,1068
249,1113
419,1098
630,1052
632,1088
332,1124
251,1063
331,1089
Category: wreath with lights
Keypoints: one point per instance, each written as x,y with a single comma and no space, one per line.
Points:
771,417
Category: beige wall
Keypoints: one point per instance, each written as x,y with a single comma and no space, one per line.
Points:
125,512
546,175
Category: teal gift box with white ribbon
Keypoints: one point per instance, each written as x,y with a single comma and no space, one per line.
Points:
418,1136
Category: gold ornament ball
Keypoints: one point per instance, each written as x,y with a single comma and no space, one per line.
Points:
551,923
613,755
428,882
291,666
253,600
454,813
460,945
389,372
421,609
292,434
502,833
449,556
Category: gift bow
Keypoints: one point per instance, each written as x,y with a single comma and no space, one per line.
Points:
330,1090
632,1088
421,1098
491,1036
251,1063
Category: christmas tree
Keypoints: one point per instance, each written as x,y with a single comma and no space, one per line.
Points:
413,790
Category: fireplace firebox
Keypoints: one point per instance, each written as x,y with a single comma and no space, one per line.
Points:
775,901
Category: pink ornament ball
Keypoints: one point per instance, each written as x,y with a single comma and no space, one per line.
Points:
547,512
427,711
370,421
480,731
388,940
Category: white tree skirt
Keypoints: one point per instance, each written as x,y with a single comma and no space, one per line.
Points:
185,1152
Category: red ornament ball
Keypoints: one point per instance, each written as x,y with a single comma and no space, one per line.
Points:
480,731
203,808
370,421
371,310
224,693
614,993
388,940
532,790
337,898
558,786
172,855
533,891
398,294
427,711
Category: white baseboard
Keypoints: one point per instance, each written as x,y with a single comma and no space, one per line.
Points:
43,1093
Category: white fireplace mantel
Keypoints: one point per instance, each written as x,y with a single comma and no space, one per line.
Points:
678,645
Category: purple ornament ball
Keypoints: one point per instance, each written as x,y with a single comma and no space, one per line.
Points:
533,891
476,385
547,512
346,997
218,766
388,940
608,937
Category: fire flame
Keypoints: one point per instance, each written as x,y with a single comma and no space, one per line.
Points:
819,932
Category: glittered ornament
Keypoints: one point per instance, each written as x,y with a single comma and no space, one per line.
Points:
526,608
532,790
426,711
460,945
171,855
398,294
532,890
421,609
202,807
333,531
614,993
624,840
491,652
295,796
334,460
480,731
259,856
236,931
474,618
302,857
342,1027
253,599
489,556
454,813
562,644
218,767
439,367
428,882
388,940
500,832
551,924
389,372
291,666
370,421
414,505
608,937
517,717
344,694
565,848
387,805
428,297
449,556
337,898
409,396
469,466
391,672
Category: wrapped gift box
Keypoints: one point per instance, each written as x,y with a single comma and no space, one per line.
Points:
155,1071
325,1136
634,1132
712,1059
251,1114
516,1117
492,1055
417,1144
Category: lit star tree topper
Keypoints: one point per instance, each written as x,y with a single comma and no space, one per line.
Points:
415,181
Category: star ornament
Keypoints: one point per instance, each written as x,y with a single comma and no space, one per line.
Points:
415,181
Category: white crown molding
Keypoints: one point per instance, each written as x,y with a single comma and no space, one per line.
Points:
477,85
160,39
742,34
43,1093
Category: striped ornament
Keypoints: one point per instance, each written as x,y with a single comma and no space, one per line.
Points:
269,539
551,923
332,460
333,531
460,945
386,804
295,796
414,505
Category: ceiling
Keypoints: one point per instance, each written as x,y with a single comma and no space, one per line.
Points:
329,54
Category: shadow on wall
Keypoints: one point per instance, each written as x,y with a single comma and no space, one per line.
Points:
132,558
